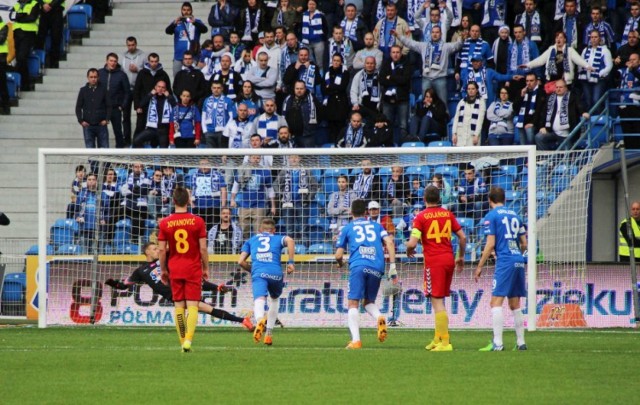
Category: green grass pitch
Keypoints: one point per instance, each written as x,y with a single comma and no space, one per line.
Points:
145,365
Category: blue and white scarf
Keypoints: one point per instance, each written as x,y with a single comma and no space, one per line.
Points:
392,90
346,200
268,126
456,10
520,54
351,139
350,28
432,56
494,13
631,25
480,78
380,12
628,80
215,109
598,64
382,41
560,9
280,18
249,27
313,116
551,63
290,184
152,113
342,49
308,76
535,29
499,105
229,87
362,185
369,86
563,111
236,140
470,48
475,114
530,97
413,7
570,26
312,28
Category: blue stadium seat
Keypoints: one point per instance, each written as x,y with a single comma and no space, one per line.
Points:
79,19
329,185
452,106
35,64
504,181
321,199
385,171
320,248
413,145
511,170
70,249
299,250
514,201
318,234
467,223
439,144
472,252
314,210
336,172
63,231
122,235
127,249
14,287
328,145
33,250
14,81
448,171
320,222
421,172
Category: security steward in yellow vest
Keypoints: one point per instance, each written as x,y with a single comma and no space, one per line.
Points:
25,15
4,50
51,20
624,248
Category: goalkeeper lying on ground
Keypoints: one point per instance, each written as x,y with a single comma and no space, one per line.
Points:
149,274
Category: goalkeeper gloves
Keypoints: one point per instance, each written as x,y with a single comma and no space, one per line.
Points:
392,271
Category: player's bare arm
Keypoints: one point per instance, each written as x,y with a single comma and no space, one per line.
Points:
339,257
291,250
204,256
162,253
412,243
488,248
524,243
462,245
242,262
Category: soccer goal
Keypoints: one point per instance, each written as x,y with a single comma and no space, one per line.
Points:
98,209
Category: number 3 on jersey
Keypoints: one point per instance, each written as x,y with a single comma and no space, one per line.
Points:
434,231
182,244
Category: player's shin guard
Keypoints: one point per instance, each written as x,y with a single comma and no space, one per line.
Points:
372,309
258,308
518,319
442,328
498,324
272,315
354,324
180,324
192,321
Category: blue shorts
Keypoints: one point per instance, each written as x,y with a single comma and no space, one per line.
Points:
364,282
509,278
266,283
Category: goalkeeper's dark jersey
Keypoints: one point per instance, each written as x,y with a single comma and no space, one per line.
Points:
149,274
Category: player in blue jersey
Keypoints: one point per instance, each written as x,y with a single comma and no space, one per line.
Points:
506,235
265,250
366,267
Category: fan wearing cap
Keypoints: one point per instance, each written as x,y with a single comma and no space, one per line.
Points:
484,77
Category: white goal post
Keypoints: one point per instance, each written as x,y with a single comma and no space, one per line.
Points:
313,296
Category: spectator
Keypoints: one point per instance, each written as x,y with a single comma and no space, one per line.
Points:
355,135
632,46
222,18
191,79
559,61
435,54
244,64
186,31
288,57
339,205
118,91
154,198
304,70
426,25
369,50
267,123
536,26
530,106
467,123
500,117
236,48
630,79
484,78
597,23
367,185
521,51
250,99
354,27
5,102
285,16
111,200
594,83
256,142
398,192
252,192
366,91
570,23
446,192
430,120
132,62
314,29
225,237
272,49
382,132
383,37
500,49
283,142
79,182
395,77
301,111
632,24
231,81
473,47
563,114
147,78
462,29
417,191
472,196
296,188
25,16
185,130
93,112
159,105
336,80
170,180
263,77
88,216
251,21
238,129
217,110
211,55
208,192
135,191
339,45
51,22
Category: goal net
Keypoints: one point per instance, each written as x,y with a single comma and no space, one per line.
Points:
98,210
